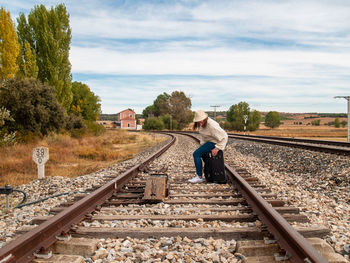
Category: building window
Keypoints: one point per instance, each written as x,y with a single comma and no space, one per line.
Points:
128,124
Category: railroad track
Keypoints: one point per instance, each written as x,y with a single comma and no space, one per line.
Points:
181,222
310,144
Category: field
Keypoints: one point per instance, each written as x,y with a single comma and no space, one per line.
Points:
299,126
71,157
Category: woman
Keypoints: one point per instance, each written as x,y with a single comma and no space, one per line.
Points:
212,138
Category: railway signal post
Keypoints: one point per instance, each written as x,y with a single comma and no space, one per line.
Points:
348,99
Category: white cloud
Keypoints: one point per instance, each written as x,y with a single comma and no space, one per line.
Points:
278,55
214,62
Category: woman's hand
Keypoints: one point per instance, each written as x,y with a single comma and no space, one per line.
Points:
214,152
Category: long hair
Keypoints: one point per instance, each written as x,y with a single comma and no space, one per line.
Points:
197,125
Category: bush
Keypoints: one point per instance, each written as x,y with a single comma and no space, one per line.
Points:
153,123
337,123
6,138
74,121
95,128
316,122
272,119
33,107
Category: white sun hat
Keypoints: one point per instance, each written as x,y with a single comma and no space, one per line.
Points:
200,115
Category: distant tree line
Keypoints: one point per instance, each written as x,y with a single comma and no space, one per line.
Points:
37,93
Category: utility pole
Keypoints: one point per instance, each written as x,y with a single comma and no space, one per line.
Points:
215,106
348,99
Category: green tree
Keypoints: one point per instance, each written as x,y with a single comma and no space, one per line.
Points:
236,113
153,123
169,122
27,63
9,46
84,102
180,108
343,123
33,107
316,122
177,105
49,34
254,120
161,104
272,119
5,137
149,111
337,123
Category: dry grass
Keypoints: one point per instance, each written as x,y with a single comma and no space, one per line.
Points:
303,131
70,157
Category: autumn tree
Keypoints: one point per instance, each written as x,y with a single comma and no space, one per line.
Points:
9,46
85,102
48,33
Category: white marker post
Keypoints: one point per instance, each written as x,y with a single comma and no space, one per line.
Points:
245,122
40,157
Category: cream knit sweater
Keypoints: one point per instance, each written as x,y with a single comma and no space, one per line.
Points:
213,133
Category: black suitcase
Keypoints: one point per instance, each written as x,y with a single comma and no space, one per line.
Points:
214,168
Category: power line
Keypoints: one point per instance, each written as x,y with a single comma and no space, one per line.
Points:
215,106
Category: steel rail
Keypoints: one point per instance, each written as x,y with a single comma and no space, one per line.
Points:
308,146
313,141
297,247
22,249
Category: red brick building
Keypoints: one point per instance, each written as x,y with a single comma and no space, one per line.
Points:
126,120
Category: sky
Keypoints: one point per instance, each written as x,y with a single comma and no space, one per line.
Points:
286,56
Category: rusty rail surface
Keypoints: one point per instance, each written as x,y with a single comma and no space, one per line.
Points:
297,247
41,237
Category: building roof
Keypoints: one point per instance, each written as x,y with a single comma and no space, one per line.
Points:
126,110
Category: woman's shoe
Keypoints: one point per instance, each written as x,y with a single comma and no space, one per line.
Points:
196,180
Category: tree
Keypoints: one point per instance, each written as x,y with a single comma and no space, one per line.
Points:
49,34
169,122
153,123
149,111
316,122
272,119
161,104
9,46
236,113
254,120
180,108
84,102
337,123
27,63
33,107
177,105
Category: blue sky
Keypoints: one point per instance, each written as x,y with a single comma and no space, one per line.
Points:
287,56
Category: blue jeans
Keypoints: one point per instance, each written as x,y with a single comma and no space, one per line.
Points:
198,155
